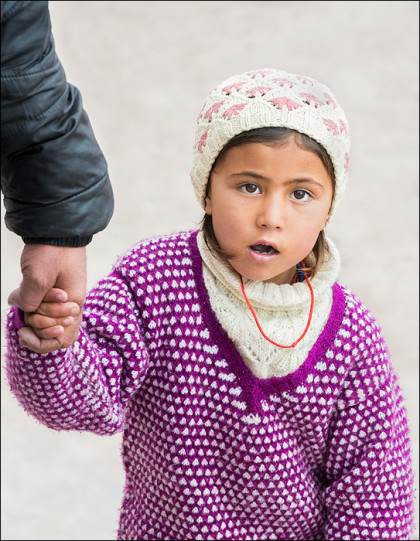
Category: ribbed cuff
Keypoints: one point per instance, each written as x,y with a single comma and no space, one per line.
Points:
18,318
72,242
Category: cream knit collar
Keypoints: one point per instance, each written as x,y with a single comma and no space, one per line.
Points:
268,295
282,311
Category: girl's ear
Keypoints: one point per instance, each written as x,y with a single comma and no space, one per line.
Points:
207,207
207,201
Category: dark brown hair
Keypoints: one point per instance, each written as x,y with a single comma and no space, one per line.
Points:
276,135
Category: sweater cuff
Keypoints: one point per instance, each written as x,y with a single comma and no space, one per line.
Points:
18,318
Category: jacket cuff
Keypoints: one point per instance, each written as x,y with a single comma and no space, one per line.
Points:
72,242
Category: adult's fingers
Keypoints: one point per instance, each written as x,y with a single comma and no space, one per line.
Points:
56,295
38,322
55,331
58,310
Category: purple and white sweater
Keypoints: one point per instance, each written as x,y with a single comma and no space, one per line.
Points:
211,451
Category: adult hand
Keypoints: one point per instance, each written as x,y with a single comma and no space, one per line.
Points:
45,267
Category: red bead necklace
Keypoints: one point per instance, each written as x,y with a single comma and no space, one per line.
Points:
258,323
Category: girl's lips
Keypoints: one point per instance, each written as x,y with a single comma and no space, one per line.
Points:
261,243
261,257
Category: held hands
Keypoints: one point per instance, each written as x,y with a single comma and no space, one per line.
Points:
51,275
55,324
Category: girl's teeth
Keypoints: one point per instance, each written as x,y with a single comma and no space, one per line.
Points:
263,249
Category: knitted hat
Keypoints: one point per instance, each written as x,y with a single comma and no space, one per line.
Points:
269,97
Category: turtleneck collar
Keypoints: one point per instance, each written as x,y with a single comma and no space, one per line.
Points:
268,295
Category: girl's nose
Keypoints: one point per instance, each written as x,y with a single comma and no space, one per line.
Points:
271,213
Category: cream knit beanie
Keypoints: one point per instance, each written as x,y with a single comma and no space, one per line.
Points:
269,97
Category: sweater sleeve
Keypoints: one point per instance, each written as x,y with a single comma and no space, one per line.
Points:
369,476
89,385
54,176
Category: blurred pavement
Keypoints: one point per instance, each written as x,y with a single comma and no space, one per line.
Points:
144,69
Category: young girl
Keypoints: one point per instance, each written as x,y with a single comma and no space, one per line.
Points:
255,392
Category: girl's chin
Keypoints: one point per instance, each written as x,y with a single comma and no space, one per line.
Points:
265,275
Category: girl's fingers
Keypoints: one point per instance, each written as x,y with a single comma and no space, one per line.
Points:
28,339
37,321
50,338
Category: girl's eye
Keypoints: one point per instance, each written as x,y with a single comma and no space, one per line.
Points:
301,195
250,188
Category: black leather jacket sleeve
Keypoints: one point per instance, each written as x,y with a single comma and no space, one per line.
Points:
54,177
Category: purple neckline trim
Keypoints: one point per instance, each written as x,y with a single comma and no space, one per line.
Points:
254,385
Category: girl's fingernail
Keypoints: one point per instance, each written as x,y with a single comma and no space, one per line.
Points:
58,331
67,321
74,311
60,297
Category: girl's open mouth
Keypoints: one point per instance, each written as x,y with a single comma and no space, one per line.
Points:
262,253
264,249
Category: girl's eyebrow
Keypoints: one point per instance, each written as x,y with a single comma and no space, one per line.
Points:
250,174
257,176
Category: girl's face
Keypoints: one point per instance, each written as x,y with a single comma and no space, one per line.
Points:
268,203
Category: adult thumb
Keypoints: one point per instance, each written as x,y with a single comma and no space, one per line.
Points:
28,296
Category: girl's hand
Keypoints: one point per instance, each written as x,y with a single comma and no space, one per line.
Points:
55,323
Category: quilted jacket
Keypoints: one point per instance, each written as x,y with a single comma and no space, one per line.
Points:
54,176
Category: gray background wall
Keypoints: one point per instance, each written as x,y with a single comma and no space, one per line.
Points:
144,69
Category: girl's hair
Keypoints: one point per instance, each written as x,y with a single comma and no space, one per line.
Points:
320,251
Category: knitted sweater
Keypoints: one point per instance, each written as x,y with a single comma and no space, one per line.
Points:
211,451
